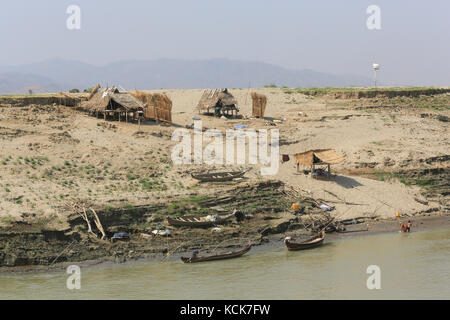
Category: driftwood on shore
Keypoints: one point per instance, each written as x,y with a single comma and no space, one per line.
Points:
79,207
98,223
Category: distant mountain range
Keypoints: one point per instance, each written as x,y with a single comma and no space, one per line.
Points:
62,75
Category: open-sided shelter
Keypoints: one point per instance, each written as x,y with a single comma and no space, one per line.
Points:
221,101
318,157
110,103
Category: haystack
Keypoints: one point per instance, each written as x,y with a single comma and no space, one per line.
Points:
259,105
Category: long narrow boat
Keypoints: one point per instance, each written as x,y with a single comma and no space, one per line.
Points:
350,231
199,221
307,244
218,176
230,255
352,221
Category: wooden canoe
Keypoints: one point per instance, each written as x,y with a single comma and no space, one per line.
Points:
217,176
350,231
307,244
198,221
230,255
347,222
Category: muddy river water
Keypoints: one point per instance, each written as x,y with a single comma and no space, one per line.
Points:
412,266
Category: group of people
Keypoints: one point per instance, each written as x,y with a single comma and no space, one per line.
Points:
406,227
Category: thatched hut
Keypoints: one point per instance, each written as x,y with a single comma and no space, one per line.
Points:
318,157
157,106
111,103
220,100
259,105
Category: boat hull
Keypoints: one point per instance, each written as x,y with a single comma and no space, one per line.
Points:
231,255
217,176
305,245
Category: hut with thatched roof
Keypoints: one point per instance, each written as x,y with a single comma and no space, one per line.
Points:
259,105
157,106
112,104
221,101
318,157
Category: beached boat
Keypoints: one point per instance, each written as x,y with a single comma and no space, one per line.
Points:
218,176
200,221
347,222
307,244
350,231
229,255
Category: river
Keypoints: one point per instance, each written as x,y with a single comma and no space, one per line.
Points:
413,266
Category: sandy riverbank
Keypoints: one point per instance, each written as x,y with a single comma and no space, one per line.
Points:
396,153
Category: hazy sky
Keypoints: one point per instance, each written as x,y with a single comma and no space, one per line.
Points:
412,47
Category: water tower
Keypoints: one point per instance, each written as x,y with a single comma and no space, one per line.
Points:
375,67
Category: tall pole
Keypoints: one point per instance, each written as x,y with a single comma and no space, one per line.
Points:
375,67
375,78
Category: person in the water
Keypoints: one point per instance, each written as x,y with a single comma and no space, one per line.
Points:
408,226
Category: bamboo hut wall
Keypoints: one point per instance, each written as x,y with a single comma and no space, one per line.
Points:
157,106
259,105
